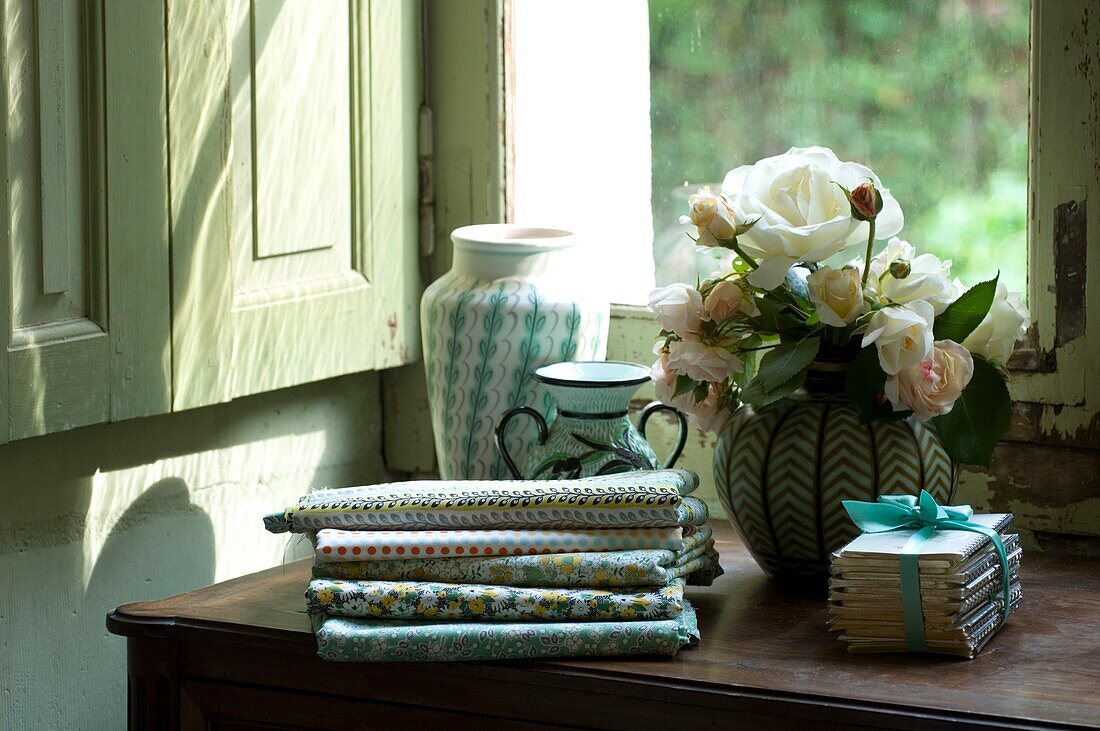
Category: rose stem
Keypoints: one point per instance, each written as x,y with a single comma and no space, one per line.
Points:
870,250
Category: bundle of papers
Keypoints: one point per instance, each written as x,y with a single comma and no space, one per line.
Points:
961,590
471,570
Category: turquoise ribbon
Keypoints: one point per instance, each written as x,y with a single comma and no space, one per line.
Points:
925,516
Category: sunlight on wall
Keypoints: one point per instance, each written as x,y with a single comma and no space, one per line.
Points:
251,470
582,150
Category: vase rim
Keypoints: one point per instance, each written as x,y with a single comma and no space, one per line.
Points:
510,238
593,374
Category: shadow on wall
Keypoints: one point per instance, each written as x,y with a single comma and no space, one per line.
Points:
145,509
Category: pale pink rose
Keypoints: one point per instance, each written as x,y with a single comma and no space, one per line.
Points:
903,335
864,199
931,388
678,307
837,295
701,362
726,300
710,414
664,383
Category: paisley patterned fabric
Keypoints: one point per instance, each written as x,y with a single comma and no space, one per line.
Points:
375,545
640,499
353,639
592,569
438,601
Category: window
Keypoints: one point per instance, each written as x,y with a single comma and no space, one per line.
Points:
932,95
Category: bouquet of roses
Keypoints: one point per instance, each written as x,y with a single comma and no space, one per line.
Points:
915,342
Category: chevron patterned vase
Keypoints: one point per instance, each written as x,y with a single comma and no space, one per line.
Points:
782,471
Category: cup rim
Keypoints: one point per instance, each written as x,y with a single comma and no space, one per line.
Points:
541,376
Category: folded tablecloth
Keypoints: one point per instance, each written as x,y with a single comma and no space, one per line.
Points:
373,545
633,499
431,600
380,640
642,567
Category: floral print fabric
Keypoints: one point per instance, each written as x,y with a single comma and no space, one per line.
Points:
437,601
636,499
352,639
371,545
645,567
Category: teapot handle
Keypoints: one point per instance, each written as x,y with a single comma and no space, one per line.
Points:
651,409
503,424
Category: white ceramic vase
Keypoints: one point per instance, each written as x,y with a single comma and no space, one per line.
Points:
513,301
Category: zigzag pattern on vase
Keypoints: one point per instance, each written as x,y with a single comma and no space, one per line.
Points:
791,482
744,491
846,474
723,453
899,465
939,475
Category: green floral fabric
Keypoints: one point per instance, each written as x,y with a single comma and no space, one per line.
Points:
352,639
698,562
438,601
633,499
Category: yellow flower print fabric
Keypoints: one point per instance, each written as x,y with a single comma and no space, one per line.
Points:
439,601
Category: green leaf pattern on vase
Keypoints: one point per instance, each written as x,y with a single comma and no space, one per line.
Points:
509,304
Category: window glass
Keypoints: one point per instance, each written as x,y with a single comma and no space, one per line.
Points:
932,95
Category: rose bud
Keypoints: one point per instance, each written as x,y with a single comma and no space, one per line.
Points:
900,269
866,201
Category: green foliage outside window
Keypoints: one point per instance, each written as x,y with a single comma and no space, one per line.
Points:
933,94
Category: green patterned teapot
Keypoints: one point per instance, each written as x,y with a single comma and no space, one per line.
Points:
586,431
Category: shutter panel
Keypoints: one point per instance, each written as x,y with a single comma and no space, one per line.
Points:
294,192
87,332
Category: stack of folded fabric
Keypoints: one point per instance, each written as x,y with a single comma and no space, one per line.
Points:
475,570
952,602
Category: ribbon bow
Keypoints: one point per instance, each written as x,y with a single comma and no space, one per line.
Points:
925,517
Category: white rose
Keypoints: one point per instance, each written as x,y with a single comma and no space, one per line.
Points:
678,308
701,362
712,216
803,214
931,388
1004,324
727,299
664,383
709,414
837,294
928,278
903,335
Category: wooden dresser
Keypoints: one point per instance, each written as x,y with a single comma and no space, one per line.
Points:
240,654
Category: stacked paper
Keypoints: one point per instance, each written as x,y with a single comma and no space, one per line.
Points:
961,589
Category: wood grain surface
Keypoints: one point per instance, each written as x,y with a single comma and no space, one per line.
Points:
765,657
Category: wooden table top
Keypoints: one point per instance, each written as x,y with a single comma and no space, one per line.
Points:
758,640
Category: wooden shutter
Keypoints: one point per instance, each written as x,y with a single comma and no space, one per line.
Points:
293,192
85,177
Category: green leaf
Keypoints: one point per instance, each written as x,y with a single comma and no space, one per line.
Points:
864,385
979,418
782,370
966,313
758,396
683,385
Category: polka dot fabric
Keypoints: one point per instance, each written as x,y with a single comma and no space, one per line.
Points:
333,545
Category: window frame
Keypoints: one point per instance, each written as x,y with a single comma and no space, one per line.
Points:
1054,439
